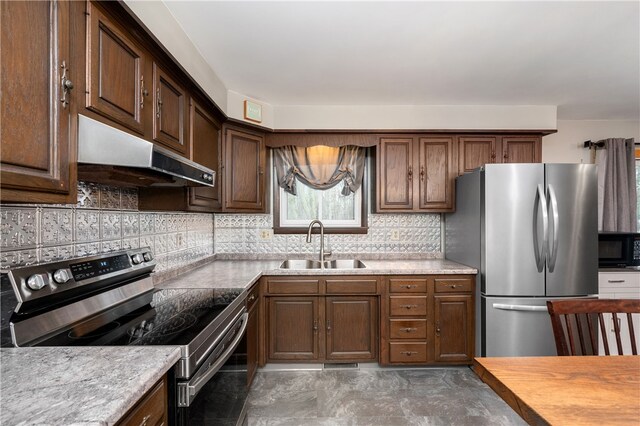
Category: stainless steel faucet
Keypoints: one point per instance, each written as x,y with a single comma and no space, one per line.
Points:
322,253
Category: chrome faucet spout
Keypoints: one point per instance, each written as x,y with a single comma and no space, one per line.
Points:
314,222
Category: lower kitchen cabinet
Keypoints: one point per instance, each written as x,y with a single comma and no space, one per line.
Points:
318,319
427,320
453,324
351,324
294,328
151,409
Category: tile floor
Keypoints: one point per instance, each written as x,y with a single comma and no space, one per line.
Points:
375,396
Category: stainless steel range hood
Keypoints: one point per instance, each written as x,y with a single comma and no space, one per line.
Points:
100,144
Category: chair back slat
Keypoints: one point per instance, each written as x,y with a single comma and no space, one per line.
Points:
603,330
592,334
583,349
572,319
632,335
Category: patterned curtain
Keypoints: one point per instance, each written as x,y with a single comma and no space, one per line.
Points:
320,167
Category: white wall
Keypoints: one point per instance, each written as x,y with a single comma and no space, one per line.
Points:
566,146
415,117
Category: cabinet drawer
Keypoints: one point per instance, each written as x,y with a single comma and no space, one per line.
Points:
293,287
408,285
404,306
252,297
407,352
408,329
356,286
619,280
453,285
151,410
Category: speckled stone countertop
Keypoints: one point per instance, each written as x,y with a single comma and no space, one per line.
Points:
77,386
243,273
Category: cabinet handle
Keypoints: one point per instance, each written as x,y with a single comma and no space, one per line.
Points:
66,84
505,156
261,171
437,329
422,173
145,420
409,353
252,298
493,155
143,92
409,286
158,103
455,285
410,175
408,306
615,281
409,329
328,326
315,325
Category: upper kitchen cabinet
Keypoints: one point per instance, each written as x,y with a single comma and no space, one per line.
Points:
169,111
521,149
116,86
243,176
38,141
394,186
476,151
416,173
437,173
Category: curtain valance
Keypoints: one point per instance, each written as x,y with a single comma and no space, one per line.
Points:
320,167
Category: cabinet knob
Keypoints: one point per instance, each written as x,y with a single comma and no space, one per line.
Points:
409,286
410,173
422,173
409,329
409,306
408,353
315,325
437,329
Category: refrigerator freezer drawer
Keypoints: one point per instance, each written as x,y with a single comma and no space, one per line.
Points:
516,327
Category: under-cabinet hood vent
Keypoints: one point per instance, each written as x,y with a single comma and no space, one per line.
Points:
109,155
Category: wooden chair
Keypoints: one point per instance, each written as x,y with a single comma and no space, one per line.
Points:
580,318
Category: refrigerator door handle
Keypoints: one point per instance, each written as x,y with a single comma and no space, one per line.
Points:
540,250
505,307
553,252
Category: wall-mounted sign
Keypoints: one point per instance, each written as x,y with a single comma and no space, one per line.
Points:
252,111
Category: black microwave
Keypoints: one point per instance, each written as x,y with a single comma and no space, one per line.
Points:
618,249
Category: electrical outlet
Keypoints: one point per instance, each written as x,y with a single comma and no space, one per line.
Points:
395,235
265,234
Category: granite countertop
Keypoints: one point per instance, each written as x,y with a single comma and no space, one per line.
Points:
78,386
243,273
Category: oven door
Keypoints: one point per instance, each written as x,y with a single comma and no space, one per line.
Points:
217,392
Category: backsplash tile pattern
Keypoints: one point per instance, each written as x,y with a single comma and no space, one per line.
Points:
402,234
105,219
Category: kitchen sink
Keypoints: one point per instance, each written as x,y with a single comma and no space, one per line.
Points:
300,264
329,264
344,264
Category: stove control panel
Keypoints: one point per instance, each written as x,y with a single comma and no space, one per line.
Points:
40,281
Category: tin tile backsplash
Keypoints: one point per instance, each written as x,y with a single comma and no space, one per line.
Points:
105,219
401,235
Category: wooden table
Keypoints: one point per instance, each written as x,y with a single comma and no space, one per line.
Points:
569,390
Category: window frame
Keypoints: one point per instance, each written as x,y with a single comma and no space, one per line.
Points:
328,228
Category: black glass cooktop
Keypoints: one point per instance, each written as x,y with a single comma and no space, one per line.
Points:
174,317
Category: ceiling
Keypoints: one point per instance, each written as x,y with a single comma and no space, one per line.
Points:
583,57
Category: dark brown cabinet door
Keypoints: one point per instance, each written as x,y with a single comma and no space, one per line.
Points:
437,173
204,135
521,149
115,72
294,328
395,174
38,148
453,322
244,169
351,328
476,151
169,111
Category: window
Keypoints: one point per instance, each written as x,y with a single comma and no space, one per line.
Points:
338,213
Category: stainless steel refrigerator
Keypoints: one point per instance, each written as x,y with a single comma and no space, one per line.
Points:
531,231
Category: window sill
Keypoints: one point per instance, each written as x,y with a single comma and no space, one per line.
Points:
316,230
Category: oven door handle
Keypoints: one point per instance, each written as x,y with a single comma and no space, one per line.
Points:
187,391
